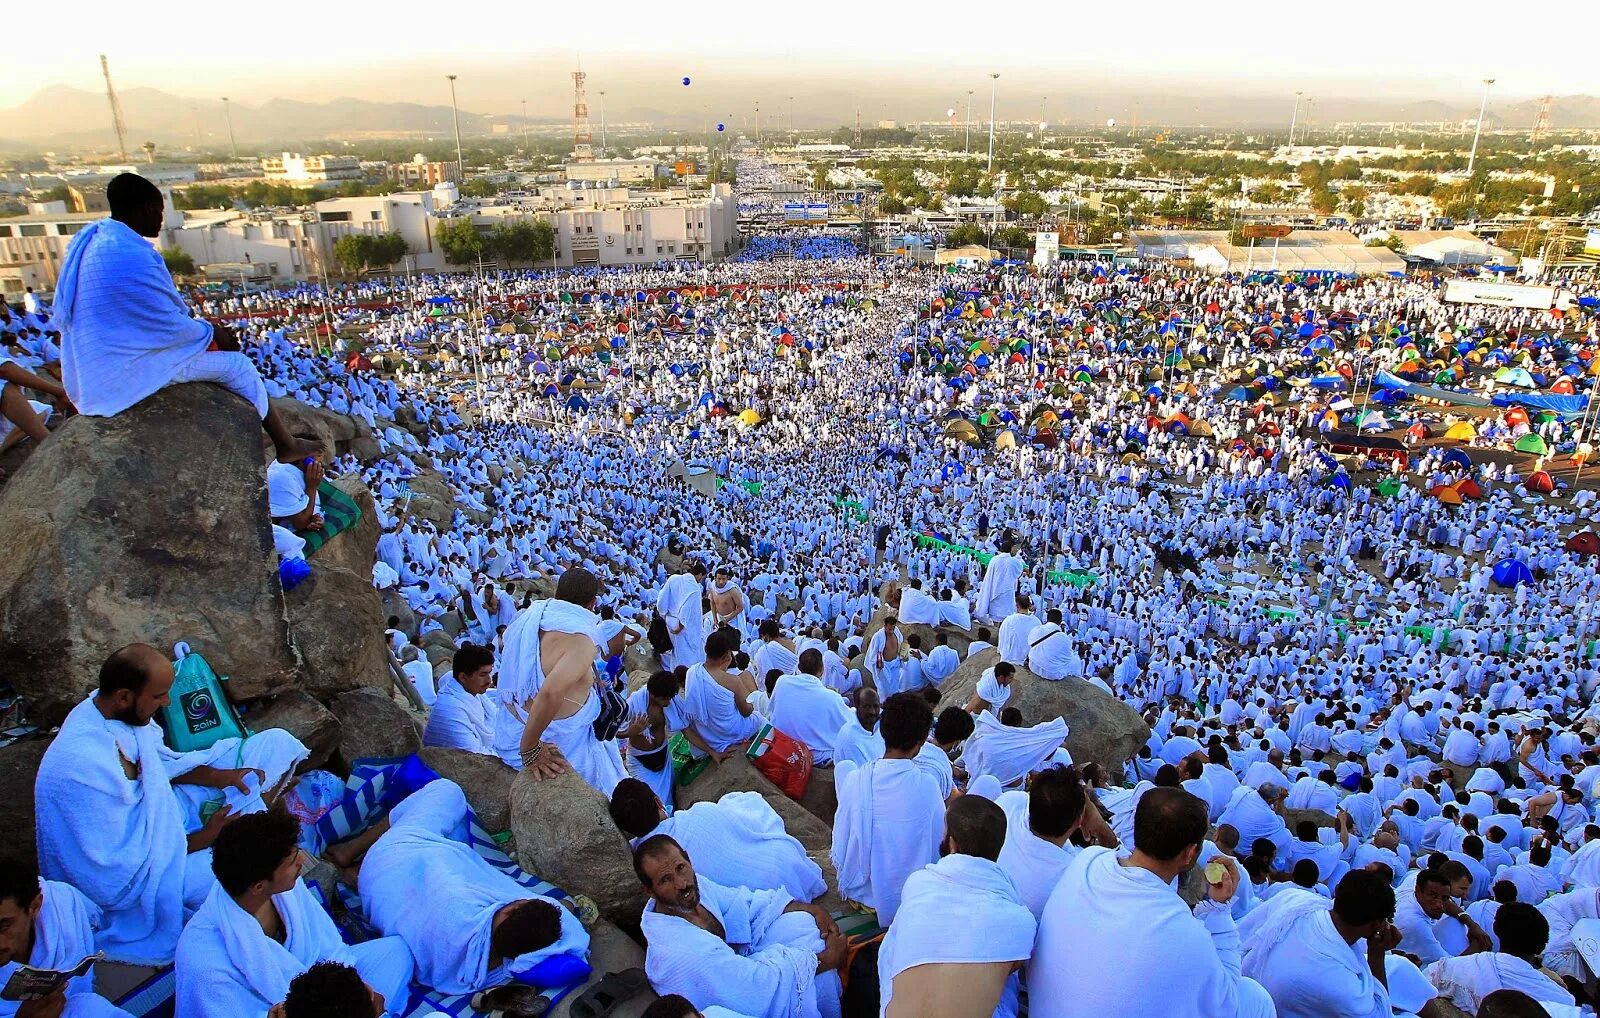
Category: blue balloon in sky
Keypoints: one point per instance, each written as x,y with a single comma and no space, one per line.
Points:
722,127
686,81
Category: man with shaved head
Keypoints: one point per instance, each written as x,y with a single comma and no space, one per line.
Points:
120,814
125,332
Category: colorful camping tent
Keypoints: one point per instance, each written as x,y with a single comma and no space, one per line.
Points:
1510,572
1462,431
1532,443
1540,481
1584,543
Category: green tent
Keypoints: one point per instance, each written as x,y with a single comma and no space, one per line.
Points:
1390,486
1531,443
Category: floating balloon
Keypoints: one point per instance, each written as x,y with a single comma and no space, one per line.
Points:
686,81
950,112
721,127
1111,122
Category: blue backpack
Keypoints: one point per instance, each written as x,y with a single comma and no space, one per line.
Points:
199,715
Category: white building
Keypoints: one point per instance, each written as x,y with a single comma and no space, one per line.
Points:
620,171
294,168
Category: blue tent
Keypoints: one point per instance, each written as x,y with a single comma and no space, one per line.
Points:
1510,572
1457,458
577,402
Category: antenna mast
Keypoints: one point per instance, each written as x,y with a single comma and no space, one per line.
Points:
582,140
116,110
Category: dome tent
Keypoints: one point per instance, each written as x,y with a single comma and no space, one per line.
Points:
1511,572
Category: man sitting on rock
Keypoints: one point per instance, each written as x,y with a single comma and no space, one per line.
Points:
756,953
18,418
463,714
125,331
858,741
804,708
47,925
468,925
119,813
292,490
261,927
738,840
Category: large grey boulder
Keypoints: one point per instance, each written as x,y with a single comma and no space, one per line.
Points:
337,622
338,433
394,606
150,526
564,834
19,765
299,714
432,499
1100,727
486,780
739,775
374,725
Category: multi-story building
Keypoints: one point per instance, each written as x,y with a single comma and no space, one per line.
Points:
31,248
621,171
421,173
294,168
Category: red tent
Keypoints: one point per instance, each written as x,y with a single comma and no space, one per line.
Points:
1540,481
1418,431
1468,488
1515,416
1584,543
1563,386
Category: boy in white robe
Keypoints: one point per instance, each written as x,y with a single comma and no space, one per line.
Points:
891,814
858,741
757,953
929,965
468,925
738,841
125,331
717,699
1311,958
119,812
462,716
655,712
48,925
261,927
1523,932
806,709
1115,938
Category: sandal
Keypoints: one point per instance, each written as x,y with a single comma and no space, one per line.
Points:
512,1000
599,1000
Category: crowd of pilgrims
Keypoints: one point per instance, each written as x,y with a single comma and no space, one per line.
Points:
1368,779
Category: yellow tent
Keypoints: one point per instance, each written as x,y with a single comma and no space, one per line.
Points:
1006,440
1462,432
749,417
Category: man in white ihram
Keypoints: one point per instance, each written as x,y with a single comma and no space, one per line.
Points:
1115,938
997,594
548,702
679,605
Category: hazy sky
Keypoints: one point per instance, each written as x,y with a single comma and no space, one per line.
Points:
506,52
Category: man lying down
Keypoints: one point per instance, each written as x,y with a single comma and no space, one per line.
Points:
468,925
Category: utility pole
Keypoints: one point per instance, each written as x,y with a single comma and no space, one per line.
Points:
525,147
791,114
1294,118
116,110
1478,129
966,146
992,79
455,119
227,111
602,121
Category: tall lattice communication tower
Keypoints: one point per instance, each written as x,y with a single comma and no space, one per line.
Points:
116,110
582,140
1541,123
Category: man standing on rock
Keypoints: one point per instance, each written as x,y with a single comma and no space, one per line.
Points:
548,696
679,605
125,332
119,813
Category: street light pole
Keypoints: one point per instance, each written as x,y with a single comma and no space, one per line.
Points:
992,79
1477,129
602,122
525,147
455,118
966,146
1294,118
227,111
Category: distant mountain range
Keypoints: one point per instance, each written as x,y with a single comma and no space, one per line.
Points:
72,118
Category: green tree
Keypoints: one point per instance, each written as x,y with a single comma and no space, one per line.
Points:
520,241
179,263
1026,203
966,233
460,241
892,205
479,187
357,252
1323,200
57,193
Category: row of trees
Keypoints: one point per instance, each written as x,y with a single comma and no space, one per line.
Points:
518,242
260,194
358,252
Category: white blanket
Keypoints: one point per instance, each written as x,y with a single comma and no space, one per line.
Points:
119,840
889,824
917,608
711,708
739,841
805,709
995,926
1291,947
63,935
422,883
1010,754
997,594
1117,940
125,332
521,674
1468,979
227,966
771,973
598,763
